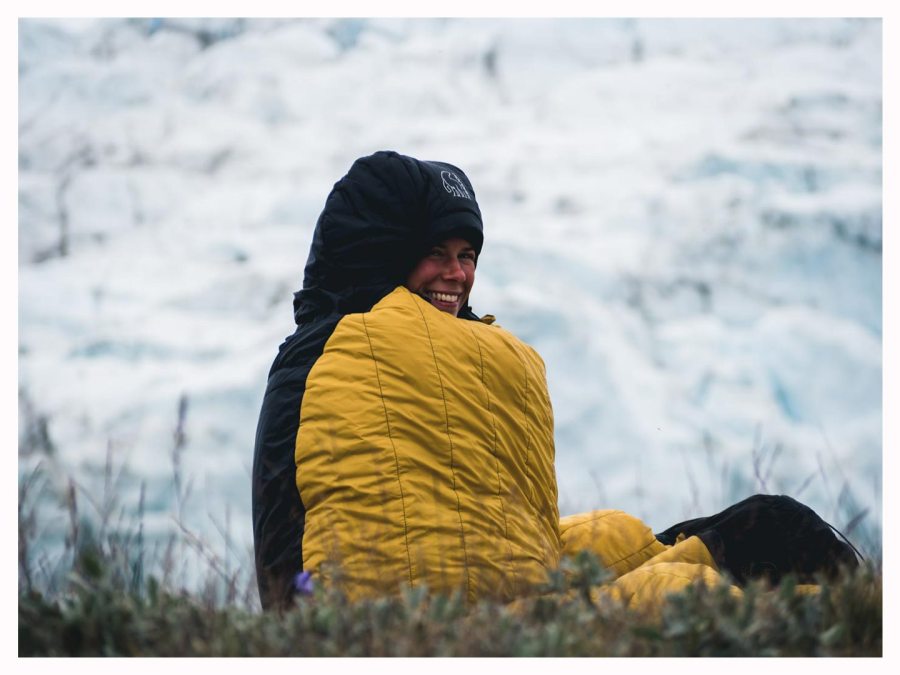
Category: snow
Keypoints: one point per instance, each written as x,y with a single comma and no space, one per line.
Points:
684,218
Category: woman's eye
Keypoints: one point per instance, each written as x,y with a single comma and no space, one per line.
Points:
467,256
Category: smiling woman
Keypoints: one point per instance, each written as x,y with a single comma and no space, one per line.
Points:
445,276
398,444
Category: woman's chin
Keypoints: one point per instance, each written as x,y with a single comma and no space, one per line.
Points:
449,307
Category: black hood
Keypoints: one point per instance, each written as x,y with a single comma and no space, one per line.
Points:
377,223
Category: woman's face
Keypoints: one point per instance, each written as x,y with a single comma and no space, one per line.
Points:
445,275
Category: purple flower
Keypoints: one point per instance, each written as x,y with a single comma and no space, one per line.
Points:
303,583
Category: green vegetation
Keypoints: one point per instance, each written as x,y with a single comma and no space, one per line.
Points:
105,606
96,616
105,592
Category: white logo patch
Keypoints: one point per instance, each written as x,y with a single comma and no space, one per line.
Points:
454,185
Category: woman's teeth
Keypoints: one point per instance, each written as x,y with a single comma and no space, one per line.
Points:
444,297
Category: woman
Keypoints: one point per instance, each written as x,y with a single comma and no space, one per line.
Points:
398,444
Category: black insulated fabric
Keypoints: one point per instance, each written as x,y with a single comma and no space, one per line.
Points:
767,537
378,221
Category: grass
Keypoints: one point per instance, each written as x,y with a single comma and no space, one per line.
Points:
107,593
99,615
102,600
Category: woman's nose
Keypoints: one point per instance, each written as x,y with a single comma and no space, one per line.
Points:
453,270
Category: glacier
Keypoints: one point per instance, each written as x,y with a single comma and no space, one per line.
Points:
683,217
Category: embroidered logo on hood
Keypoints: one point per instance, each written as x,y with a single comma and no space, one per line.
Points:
454,185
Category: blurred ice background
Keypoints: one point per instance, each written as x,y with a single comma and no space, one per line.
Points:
684,218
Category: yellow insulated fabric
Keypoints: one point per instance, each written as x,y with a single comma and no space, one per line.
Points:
620,541
646,569
425,456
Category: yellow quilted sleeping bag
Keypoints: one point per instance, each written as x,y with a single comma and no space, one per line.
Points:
425,456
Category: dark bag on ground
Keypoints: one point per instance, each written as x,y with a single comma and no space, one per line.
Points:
767,537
